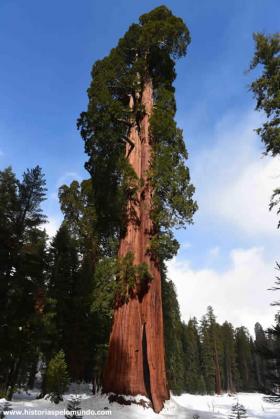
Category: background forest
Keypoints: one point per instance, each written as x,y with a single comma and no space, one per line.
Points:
57,295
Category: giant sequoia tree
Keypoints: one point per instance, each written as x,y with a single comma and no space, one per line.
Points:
142,191
266,90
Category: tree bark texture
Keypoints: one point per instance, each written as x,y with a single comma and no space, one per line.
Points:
136,358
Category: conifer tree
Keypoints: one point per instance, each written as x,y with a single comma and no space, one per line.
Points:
173,338
211,352
238,411
207,360
266,88
244,352
194,381
261,349
66,290
229,368
94,293
137,156
273,366
22,273
272,359
57,378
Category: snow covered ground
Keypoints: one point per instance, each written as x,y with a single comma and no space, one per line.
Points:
185,406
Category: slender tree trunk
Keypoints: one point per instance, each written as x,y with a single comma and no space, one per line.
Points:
136,359
230,384
13,378
218,385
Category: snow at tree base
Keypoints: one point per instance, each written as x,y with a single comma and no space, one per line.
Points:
186,406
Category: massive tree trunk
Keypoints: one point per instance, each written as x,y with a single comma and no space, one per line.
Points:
136,359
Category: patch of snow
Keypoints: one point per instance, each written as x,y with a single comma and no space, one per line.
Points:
178,407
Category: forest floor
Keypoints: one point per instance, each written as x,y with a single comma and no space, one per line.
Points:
185,406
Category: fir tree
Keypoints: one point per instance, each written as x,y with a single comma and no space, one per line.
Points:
22,274
261,349
194,381
272,358
207,359
70,290
93,295
266,88
229,367
244,352
173,330
57,378
238,411
211,352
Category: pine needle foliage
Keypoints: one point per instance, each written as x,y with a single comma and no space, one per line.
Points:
57,379
238,411
266,88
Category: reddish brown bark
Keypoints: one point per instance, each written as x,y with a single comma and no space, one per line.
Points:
39,301
136,359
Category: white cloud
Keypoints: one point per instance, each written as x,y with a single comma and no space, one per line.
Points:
239,294
234,180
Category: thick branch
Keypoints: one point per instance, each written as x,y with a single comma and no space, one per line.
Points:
125,139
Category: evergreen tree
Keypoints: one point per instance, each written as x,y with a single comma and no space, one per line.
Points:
238,411
273,352
173,338
229,370
194,380
96,279
261,346
272,359
57,378
211,352
78,207
244,352
22,274
207,360
266,88
130,118
72,303
102,306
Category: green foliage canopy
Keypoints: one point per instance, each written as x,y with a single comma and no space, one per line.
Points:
57,377
266,88
146,52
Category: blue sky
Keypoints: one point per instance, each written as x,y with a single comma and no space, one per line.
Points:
47,50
